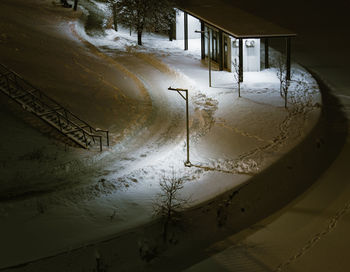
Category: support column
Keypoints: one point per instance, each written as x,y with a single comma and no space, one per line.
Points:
202,40
288,48
267,64
186,30
75,6
171,31
240,60
115,20
187,163
209,54
221,51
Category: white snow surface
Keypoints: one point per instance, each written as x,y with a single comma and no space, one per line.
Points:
312,232
65,197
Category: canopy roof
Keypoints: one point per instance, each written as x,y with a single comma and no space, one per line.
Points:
232,20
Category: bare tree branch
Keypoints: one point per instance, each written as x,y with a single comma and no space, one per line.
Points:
169,204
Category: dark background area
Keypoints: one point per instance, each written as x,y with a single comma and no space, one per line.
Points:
322,27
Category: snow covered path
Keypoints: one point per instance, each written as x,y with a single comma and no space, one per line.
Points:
312,232
102,195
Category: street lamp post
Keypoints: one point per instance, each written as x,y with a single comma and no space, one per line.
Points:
209,54
178,90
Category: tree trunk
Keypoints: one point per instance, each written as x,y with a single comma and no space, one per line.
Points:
139,37
285,100
75,5
115,23
281,93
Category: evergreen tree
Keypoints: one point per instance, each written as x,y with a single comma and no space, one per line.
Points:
141,15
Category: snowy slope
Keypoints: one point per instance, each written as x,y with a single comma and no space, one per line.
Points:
82,197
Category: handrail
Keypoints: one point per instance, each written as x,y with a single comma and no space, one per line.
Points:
67,116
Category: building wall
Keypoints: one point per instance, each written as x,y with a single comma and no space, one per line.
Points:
251,54
193,24
251,47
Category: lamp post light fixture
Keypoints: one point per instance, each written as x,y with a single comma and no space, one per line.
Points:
209,54
178,90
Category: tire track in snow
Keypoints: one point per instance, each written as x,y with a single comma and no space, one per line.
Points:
99,76
332,223
139,83
154,61
208,168
222,123
110,60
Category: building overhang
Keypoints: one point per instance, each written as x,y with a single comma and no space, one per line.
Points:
233,21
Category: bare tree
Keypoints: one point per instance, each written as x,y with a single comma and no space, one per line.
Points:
282,76
281,70
285,90
236,76
302,95
143,15
113,7
168,203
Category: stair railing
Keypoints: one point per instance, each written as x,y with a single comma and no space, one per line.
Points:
38,99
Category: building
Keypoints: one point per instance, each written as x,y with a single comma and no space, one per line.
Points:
234,35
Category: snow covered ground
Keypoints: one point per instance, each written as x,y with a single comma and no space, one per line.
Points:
312,232
77,197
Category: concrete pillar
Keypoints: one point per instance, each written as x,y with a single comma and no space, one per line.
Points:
171,31
186,30
267,64
288,49
221,50
202,40
240,60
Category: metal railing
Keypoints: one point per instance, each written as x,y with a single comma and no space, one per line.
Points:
35,101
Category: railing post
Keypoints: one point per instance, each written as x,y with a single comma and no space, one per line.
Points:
33,103
65,114
107,132
16,82
85,140
100,143
59,121
8,85
93,138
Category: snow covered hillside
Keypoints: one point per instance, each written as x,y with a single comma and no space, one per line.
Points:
56,197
